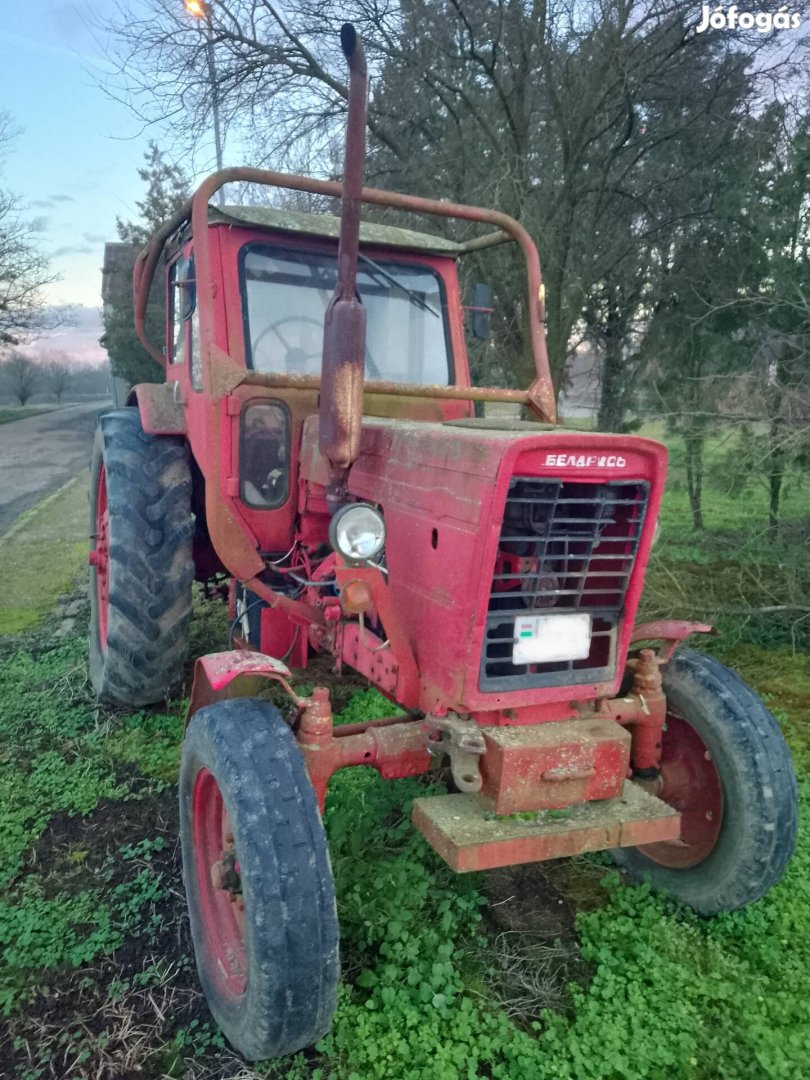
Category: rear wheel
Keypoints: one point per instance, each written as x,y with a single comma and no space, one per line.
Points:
258,880
725,766
141,567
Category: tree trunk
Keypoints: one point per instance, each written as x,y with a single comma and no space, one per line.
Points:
694,478
611,391
613,388
776,449
776,474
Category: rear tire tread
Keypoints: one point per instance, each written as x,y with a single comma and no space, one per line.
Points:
151,568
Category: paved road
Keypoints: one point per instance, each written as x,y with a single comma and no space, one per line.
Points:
40,453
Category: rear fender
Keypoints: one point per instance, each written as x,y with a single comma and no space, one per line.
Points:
160,406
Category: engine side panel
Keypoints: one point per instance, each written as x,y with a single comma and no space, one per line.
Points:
443,490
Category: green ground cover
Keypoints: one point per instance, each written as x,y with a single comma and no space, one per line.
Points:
591,977
41,557
11,413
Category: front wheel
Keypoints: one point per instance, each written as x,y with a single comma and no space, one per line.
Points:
258,880
726,768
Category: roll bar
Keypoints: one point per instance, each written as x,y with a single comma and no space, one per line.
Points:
539,396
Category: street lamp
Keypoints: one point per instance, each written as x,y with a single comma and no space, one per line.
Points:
202,11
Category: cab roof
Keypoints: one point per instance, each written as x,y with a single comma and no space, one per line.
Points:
328,225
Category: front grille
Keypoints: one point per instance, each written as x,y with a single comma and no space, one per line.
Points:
564,547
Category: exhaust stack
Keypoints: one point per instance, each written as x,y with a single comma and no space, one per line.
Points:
344,333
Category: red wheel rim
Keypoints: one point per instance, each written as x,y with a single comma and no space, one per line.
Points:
222,912
100,558
691,785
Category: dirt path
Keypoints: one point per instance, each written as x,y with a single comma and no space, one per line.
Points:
40,453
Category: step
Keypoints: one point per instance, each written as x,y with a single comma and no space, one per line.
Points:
466,833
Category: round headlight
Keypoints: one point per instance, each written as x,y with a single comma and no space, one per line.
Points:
357,531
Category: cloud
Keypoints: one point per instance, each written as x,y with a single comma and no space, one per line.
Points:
71,249
78,338
95,238
51,202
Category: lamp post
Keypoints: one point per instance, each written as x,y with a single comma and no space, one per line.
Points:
202,11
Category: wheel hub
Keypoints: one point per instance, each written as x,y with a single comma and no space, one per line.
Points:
690,784
220,885
225,874
99,558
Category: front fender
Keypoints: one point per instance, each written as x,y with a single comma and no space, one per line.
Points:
238,673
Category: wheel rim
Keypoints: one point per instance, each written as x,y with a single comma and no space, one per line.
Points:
100,558
691,785
222,911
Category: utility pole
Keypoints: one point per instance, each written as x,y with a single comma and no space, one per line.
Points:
202,12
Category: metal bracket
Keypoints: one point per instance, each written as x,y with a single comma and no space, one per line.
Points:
463,742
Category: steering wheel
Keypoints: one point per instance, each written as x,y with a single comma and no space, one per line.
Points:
295,356
298,356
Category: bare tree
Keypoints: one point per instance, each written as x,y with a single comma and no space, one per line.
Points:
23,376
57,369
23,268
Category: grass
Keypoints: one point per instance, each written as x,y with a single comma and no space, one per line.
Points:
41,557
596,979
9,414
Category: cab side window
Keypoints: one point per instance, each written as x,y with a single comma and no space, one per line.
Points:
265,454
182,306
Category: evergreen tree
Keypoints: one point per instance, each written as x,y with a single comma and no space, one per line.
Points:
167,188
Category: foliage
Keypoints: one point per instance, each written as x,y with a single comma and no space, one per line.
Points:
151,741
39,935
733,574
729,339
677,996
780,318
41,772
611,157
167,188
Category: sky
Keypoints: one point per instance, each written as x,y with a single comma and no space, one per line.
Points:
74,163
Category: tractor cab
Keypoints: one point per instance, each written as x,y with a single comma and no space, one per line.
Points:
285,265
271,274
287,276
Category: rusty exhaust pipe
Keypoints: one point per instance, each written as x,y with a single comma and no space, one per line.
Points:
344,331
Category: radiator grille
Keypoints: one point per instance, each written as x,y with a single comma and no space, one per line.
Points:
568,547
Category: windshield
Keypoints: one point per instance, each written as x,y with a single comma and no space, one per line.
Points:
286,295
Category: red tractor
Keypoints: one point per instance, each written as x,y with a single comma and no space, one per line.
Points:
316,441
